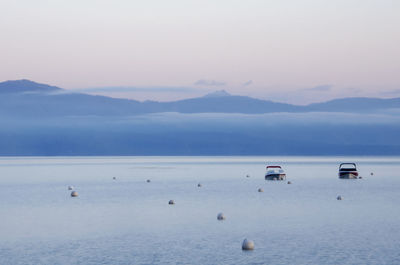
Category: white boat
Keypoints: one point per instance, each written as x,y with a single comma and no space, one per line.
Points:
348,171
275,173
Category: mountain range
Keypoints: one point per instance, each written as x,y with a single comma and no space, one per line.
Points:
28,98
42,120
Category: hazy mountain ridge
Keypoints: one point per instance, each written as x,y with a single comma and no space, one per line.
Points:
27,98
24,85
361,103
36,119
218,93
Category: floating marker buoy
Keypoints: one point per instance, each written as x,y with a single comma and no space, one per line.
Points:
260,190
289,182
148,180
199,185
339,198
70,187
74,194
171,202
221,216
247,244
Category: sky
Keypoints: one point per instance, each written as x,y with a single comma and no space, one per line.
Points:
296,51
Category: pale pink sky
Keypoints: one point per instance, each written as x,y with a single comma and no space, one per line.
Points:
296,51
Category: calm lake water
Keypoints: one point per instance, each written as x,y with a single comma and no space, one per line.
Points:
129,221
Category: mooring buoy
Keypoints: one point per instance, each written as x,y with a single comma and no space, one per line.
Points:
221,216
148,181
248,244
114,178
74,194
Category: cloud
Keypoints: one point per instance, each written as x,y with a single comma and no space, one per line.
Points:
320,88
354,90
250,82
205,82
272,119
135,89
393,92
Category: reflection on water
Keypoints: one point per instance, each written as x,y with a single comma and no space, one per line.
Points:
129,221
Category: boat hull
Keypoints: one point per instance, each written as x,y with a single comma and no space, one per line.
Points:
348,175
275,176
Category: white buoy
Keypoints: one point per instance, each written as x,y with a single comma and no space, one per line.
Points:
260,190
148,180
289,182
339,198
74,194
221,216
248,244
199,185
70,187
171,202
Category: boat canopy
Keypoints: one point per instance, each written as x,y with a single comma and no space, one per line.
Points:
347,166
274,170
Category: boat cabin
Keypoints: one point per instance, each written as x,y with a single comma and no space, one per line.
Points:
348,171
275,173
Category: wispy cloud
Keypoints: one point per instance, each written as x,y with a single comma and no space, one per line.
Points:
248,83
320,88
205,82
354,90
394,92
135,89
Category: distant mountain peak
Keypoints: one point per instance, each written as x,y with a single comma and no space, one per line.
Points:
25,85
218,94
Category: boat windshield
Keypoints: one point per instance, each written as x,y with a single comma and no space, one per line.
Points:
347,167
275,171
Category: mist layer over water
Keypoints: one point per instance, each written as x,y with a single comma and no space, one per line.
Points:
176,134
129,221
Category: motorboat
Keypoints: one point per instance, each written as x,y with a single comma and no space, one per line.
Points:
348,171
275,173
